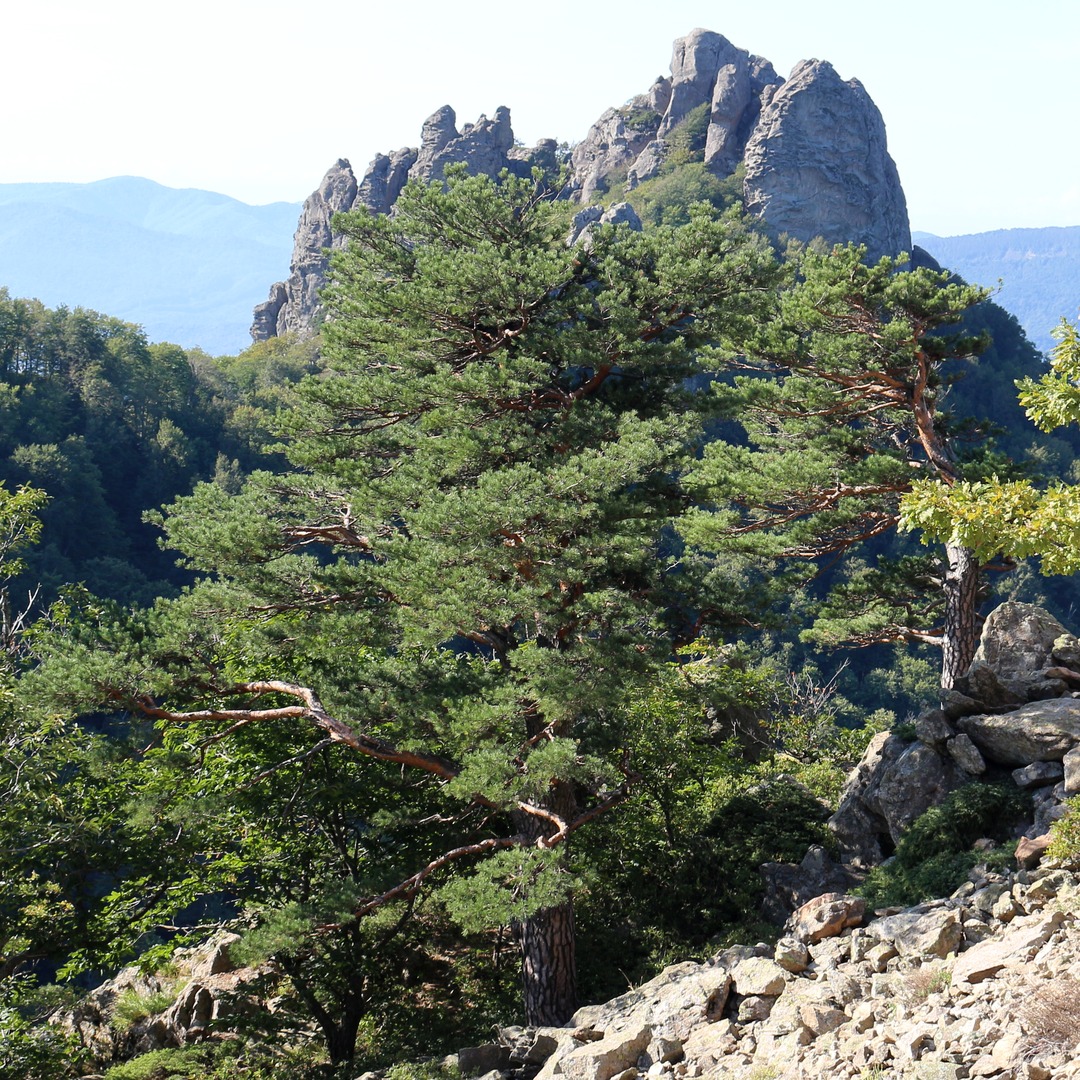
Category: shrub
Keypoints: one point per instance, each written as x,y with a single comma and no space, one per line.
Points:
133,1005
935,855
30,1048
920,983
641,118
1065,834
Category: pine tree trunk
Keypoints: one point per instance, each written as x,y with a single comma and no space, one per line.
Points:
548,966
961,637
546,939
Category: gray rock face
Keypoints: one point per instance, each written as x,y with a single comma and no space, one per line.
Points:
482,147
1017,712
1038,731
814,150
1019,640
612,144
817,165
894,784
707,69
384,179
294,305
585,221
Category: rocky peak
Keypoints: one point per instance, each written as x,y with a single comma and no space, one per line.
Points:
484,147
813,147
294,305
707,69
817,165
438,129
384,179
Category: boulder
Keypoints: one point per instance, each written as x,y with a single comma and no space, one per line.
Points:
984,685
858,824
920,933
827,916
966,754
1018,641
1024,937
758,977
585,221
918,779
1038,731
789,886
675,1002
609,1056
1071,767
1038,774
478,1060
934,729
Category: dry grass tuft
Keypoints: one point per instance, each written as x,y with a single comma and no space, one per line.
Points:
1050,1017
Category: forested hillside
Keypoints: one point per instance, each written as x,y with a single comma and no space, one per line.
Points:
498,603
1037,268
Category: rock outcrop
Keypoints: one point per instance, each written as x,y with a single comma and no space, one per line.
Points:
817,165
123,1017
706,71
813,148
1016,712
484,147
294,305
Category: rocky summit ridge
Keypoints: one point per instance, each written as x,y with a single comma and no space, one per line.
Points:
813,148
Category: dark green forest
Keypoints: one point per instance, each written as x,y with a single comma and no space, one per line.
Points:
434,657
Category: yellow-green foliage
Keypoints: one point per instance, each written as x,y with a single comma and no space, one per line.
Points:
1065,834
133,1005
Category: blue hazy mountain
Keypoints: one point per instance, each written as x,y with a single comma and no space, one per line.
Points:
187,265
1039,270
190,265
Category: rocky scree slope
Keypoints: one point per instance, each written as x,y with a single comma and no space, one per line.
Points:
983,983
813,146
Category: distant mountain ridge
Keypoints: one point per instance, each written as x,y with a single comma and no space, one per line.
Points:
1039,270
188,265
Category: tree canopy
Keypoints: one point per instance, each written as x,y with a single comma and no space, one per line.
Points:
468,570
1018,518
841,411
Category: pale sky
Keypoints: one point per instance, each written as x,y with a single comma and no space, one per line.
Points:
258,98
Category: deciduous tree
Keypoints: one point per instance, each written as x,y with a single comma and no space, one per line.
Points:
994,516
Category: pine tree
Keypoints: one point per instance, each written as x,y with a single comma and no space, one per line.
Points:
469,569
841,408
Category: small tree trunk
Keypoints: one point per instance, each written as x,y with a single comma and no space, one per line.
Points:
549,966
961,637
340,1024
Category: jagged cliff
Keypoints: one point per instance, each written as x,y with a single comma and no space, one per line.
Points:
813,147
